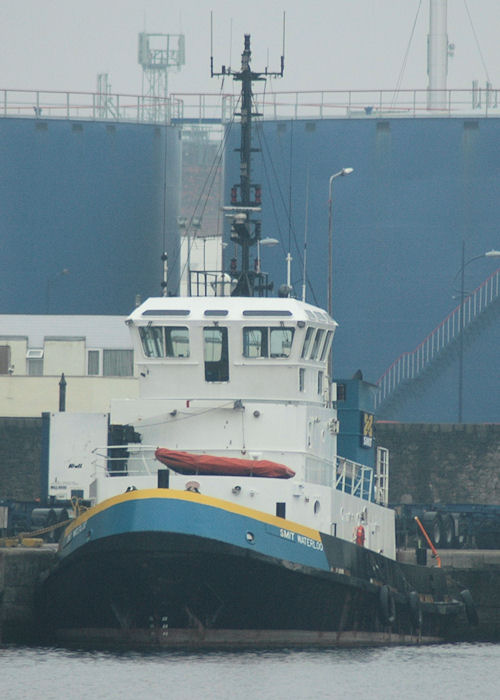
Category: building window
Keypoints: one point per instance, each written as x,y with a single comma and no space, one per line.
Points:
35,366
341,392
34,363
93,362
4,359
118,363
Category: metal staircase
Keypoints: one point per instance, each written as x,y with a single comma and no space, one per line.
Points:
439,348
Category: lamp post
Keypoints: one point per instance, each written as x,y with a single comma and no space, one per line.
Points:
461,272
265,243
341,173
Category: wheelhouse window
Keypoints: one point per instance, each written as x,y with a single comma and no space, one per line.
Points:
165,341
318,338
307,341
320,382
266,341
216,354
326,346
302,379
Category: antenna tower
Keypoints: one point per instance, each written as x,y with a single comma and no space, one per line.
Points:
246,196
157,54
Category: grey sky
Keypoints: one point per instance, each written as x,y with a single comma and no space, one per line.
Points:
331,44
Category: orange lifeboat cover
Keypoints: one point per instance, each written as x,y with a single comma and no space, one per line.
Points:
188,463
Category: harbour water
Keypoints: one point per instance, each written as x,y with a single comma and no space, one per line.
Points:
440,671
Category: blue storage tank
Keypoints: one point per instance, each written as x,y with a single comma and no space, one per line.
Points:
420,187
93,198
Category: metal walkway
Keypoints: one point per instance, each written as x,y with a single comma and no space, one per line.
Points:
216,107
439,347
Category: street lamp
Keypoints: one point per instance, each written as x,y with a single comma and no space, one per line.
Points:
461,272
265,243
341,173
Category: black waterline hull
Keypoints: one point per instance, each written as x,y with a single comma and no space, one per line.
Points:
177,590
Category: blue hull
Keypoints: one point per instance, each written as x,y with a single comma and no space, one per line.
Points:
179,568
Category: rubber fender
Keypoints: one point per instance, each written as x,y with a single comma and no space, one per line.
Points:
415,609
387,606
470,608
434,526
448,532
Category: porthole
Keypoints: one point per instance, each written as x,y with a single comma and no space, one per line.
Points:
250,537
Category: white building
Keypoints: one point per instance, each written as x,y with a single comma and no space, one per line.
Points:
94,352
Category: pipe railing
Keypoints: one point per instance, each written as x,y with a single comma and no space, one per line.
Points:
220,107
353,478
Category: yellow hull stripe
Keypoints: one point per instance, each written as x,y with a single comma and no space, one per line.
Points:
144,494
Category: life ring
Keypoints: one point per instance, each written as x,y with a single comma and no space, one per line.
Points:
360,536
415,609
470,608
387,606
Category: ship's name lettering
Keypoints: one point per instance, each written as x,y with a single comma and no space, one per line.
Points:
308,542
79,528
301,539
74,533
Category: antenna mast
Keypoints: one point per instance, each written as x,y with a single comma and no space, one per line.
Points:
246,196
437,55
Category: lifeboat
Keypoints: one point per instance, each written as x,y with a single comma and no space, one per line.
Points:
188,463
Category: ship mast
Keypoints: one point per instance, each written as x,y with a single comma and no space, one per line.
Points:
246,196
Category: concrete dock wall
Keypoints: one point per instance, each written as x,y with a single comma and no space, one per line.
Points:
20,571
442,463
20,456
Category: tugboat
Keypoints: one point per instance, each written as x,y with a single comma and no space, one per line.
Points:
233,521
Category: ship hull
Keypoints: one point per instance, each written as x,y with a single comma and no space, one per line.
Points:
204,573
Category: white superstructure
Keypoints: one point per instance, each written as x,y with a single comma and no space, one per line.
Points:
246,378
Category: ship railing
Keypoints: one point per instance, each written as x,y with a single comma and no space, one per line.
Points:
220,108
217,283
133,459
207,283
411,365
381,481
353,478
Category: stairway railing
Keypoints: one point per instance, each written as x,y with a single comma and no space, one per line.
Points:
409,365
